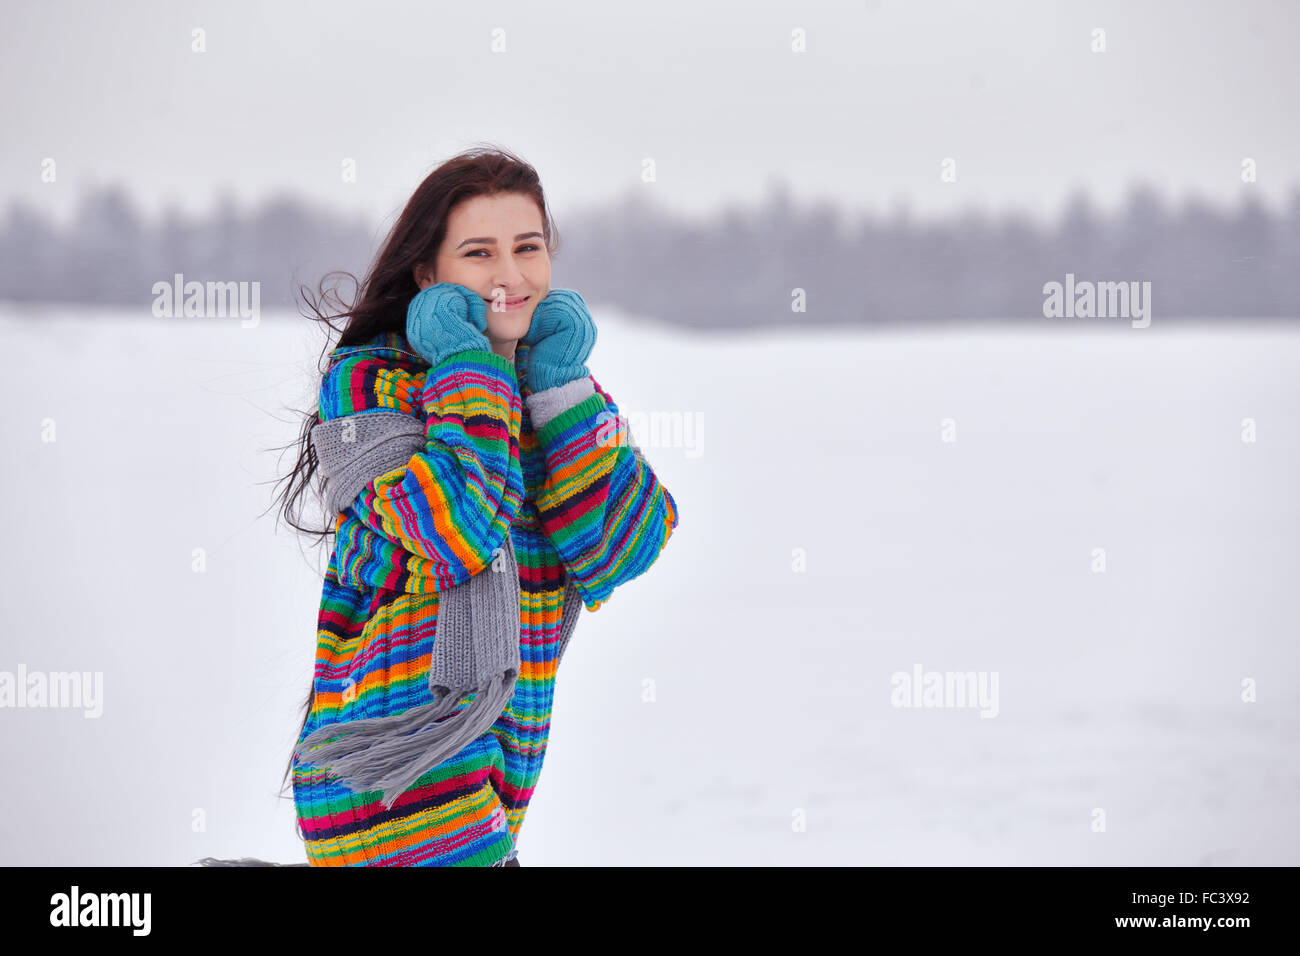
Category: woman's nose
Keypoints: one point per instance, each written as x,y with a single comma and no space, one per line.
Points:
509,277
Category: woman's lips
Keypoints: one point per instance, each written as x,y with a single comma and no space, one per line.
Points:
510,304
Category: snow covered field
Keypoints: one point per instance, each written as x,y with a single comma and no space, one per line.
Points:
724,708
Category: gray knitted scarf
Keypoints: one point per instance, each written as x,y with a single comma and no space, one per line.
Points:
476,644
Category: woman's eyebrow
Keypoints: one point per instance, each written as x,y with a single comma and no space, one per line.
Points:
490,240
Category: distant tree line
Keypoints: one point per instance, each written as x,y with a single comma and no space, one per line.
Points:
740,270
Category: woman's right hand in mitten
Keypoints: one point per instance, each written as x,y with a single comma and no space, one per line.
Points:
446,318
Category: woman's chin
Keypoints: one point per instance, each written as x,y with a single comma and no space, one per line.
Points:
509,331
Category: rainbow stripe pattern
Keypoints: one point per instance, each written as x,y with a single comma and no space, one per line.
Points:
580,503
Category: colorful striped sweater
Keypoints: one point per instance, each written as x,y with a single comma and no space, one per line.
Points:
582,506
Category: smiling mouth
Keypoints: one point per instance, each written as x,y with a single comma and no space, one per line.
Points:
509,305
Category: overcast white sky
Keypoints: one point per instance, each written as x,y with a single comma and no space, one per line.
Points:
711,91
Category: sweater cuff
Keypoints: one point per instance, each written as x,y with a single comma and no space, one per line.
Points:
485,357
545,405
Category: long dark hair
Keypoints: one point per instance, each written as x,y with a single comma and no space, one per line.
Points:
381,298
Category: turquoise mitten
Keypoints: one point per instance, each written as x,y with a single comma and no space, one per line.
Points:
444,319
560,340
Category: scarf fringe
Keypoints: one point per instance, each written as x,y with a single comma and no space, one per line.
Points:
391,753
243,861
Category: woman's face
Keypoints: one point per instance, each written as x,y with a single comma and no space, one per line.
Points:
494,246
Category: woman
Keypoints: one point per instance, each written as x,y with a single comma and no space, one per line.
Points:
484,489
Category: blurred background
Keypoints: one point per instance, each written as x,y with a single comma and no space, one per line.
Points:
819,241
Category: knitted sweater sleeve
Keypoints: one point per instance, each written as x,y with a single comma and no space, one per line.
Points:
450,506
601,505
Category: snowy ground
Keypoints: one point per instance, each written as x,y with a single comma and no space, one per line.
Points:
770,737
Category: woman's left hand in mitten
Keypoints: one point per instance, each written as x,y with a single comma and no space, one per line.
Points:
560,340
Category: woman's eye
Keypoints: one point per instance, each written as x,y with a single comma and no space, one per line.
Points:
528,246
